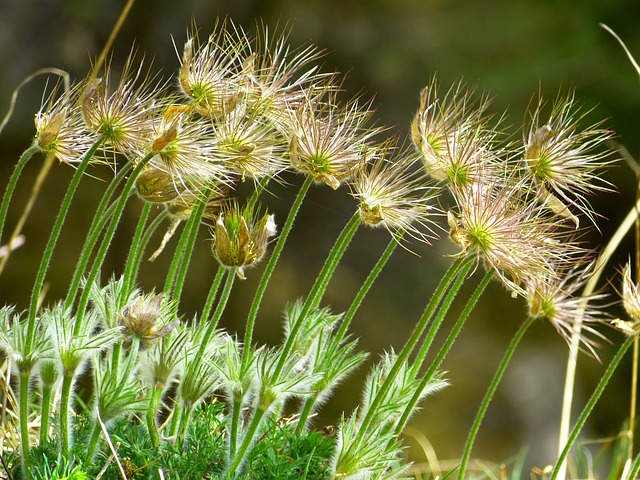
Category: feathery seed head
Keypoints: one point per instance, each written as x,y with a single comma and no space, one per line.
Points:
328,141
393,194
187,151
208,73
630,294
60,130
241,238
124,116
565,160
147,318
450,133
250,145
557,299
510,234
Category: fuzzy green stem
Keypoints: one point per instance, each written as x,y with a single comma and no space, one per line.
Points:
319,287
51,243
93,440
106,240
136,249
180,263
443,351
574,344
176,413
217,314
45,411
13,181
150,416
457,271
595,396
307,408
271,264
102,214
24,378
137,260
185,417
489,395
211,296
247,440
65,414
364,289
235,426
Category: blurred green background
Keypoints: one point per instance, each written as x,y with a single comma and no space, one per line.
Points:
389,49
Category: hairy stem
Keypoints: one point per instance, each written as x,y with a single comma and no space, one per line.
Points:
475,428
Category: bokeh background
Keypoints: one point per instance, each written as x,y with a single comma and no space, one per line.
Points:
388,49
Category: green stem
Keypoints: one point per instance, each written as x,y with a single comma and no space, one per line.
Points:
213,323
443,351
65,415
51,243
45,411
24,378
319,287
185,417
137,260
211,296
235,426
489,395
271,264
364,289
136,249
13,181
180,263
93,441
248,438
150,416
106,241
307,408
458,271
604,380
101,216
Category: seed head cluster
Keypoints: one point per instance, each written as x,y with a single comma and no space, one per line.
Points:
250,107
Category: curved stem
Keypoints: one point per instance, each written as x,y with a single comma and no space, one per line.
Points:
137,260
13,180
106,240
450,284
606,376
186,245
101,216
53,239
489,395
237,459
574,344
217,314
65,414
211,296
443,351
319,287
268,270
364,289
35,190
134,256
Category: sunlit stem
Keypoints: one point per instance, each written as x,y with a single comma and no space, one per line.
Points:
574,344
604,380
268,270
475,428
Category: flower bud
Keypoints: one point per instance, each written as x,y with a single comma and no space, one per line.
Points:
240,239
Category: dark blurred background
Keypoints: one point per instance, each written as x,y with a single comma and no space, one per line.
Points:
389,49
